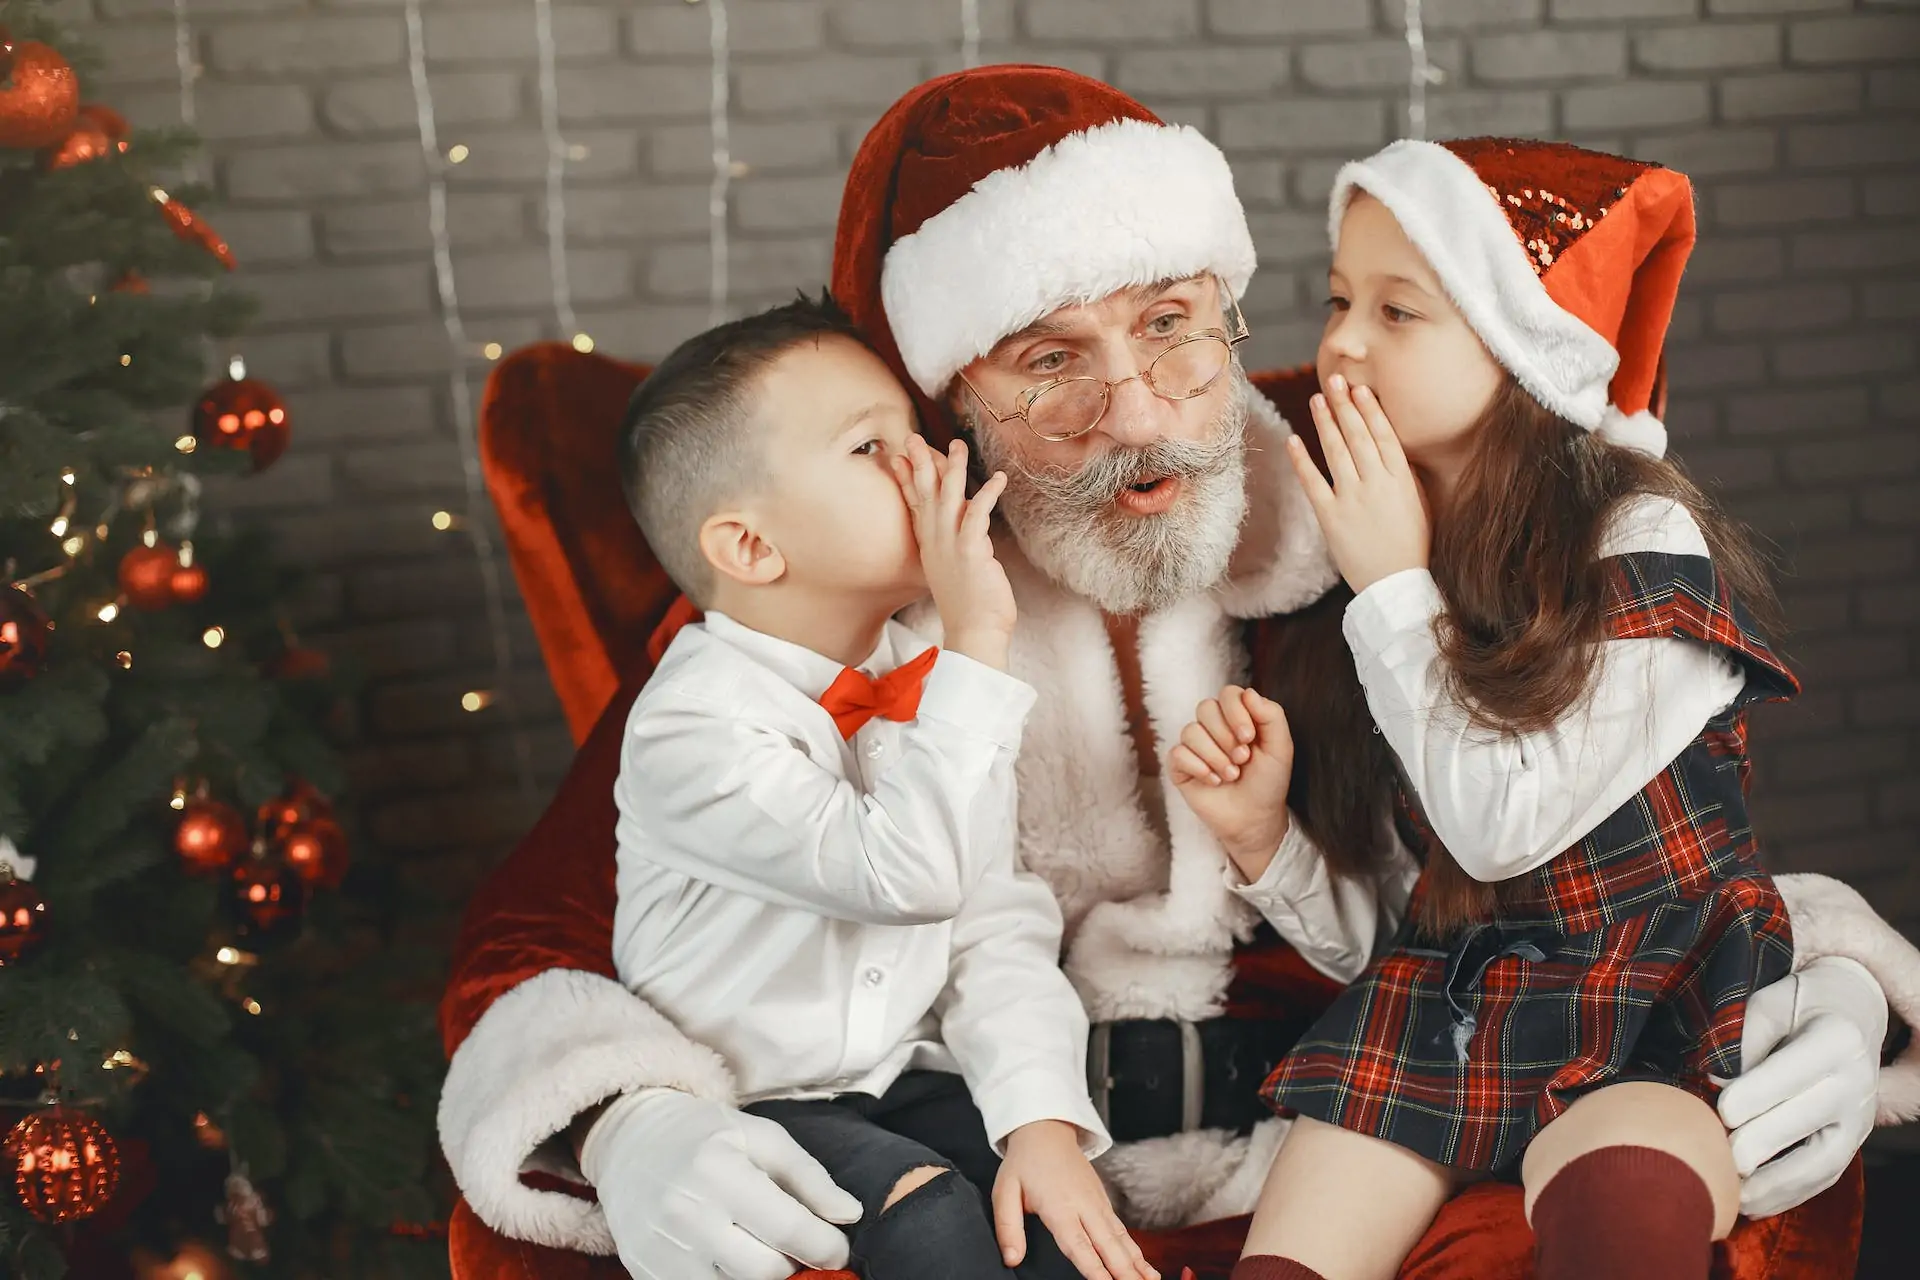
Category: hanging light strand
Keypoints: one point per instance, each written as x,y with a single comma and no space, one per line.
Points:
1420,72
718,191
556,171
969,33
460,394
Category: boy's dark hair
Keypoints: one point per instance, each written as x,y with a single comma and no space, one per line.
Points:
686,444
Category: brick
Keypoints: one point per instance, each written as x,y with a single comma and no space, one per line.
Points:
1695,367
1891,505
888,24
1312,181
1865,457
519,279
1259,182
1476,15
299,46
1549,57
1717,7
1892,299
350,414
1466,113
1303,124
1621,10
1784,815
1784,202
424,588
753,267
1723,259
290,361
268,237
1689,319
600,214
1281,239
1852,659
501,156
686,150
1891,606
1733,470
1811,611
1857,353
1626,106
1855,39
1777,411
789,204
1141,20
1204,73
389,767
753,26
1900,399
1700,47
869,83
373,352
399,228
1371,64
1854,144
644,333
1895,90
451,819
201,8
1294,18
133,53
342,293
1809,715
1713,152
300,479
628,92
1084,61
506,34
1790,93
1864,248
386,104
431,468
227,112
325,171
357,534
1857,755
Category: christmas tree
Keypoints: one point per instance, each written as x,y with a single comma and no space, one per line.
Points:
209,1048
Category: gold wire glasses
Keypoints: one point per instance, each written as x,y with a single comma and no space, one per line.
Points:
1069,407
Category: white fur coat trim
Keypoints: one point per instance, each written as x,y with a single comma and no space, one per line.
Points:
1832,919
1282,562
542,1053
1126,203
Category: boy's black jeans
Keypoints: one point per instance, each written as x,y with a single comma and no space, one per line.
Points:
943,1230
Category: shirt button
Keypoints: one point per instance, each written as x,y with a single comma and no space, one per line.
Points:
873,977
875,750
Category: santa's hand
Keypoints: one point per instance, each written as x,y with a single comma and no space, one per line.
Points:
695,1190
1810,1068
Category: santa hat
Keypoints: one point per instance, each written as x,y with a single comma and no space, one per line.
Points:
985,199
1565,261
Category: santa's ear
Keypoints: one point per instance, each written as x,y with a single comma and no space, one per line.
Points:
737,551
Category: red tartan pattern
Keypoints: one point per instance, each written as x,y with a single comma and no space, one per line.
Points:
1630,956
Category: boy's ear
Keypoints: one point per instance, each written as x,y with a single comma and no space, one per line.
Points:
737,551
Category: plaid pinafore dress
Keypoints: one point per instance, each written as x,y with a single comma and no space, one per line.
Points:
1628,957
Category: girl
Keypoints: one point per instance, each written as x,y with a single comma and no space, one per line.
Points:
1556,634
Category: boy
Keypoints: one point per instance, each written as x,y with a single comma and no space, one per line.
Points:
816,870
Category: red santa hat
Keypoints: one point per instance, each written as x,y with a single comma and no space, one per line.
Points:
985,199
1565,261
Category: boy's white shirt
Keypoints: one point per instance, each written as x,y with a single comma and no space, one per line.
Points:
827,913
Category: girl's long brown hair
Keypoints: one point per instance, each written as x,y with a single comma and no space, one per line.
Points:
1516,558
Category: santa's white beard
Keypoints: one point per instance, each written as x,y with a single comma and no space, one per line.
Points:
1069,527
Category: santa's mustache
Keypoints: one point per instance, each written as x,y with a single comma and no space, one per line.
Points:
1097,482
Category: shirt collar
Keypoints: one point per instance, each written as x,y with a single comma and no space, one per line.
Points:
799,666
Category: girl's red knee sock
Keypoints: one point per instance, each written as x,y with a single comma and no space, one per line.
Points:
1623,1213
1264,1266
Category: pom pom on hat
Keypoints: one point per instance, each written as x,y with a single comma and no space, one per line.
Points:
1565,261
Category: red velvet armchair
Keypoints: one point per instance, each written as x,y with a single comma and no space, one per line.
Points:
595,595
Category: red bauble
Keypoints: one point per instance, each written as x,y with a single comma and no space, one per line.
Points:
65,1165
317,852
146,576
295,807
39,95
243,413
192,228
24,634
268,895
23,919
210,836
97,131
188,583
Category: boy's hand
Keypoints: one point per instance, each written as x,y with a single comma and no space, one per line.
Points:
1233,766
1373,514
1046,1174
969,587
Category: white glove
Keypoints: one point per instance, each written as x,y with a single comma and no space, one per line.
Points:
1810,1066
693,1189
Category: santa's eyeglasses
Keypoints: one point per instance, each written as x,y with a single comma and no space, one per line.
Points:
1066,408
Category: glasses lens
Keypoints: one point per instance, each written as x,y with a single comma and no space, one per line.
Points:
1185,370
1068,408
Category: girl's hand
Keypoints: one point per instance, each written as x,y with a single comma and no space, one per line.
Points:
1373,515
1233,766
1046,1174
969,587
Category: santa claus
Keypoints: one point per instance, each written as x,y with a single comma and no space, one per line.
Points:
1002,229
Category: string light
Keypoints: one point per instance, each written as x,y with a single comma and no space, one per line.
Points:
74,546
108,612
179,798
186,444
125,361
125,659
476,700
718,190
1420,72
491,351
969,33
558,154
251,1005
457,153
460,393
582,343
213,637
444,520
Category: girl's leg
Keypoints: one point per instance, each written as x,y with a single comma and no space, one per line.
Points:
1341,1205
1634,1180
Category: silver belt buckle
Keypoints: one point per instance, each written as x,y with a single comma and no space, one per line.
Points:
1193,1093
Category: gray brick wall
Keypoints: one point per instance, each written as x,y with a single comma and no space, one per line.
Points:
1793,360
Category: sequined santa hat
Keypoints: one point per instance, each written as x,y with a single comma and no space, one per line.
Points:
1565,261
987,198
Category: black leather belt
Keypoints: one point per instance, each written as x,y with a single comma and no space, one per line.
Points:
1154,1077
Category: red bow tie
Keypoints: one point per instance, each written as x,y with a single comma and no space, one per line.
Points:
855,698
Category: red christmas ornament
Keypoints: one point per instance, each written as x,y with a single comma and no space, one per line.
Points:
317,852
23,919
24,635
97,131
146,576
301,803
65,1166
243,413
210,836
192,228
267,894
39,94
188,583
